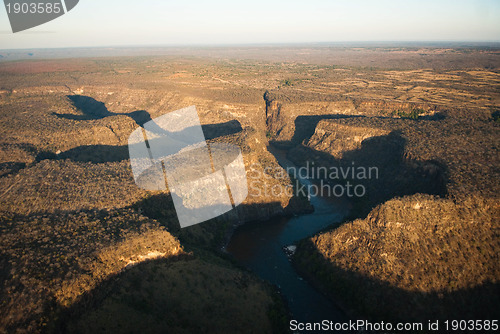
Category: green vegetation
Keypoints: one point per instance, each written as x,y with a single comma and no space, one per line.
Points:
412,114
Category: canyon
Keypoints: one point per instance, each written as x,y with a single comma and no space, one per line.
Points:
82,244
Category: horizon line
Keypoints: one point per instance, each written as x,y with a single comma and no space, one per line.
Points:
456,43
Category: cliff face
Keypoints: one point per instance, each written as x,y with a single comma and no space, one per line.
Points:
268,184
73,220
291,121
356,144
275,120
411,258
339,139
73,223
431,257
433,140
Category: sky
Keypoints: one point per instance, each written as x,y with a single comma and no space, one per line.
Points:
98,23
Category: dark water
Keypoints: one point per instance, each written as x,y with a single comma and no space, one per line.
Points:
259,247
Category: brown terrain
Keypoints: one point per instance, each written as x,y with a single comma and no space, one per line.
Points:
82,247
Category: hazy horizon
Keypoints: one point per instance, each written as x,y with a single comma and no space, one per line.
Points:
155,23
340,53
340,44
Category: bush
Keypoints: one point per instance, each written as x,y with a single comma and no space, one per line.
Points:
412,114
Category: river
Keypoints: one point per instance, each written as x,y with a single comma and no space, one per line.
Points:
259,246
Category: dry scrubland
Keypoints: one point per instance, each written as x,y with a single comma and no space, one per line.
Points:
76,232
426,241
81,244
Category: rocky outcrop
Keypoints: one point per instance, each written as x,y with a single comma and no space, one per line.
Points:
412,258
275,121
339,139
291,121
430,257
371,158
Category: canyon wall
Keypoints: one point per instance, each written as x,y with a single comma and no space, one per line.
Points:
425,230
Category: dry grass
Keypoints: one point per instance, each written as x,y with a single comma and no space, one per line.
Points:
428,258
49,260
72,218
180,297
71,222
64,185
